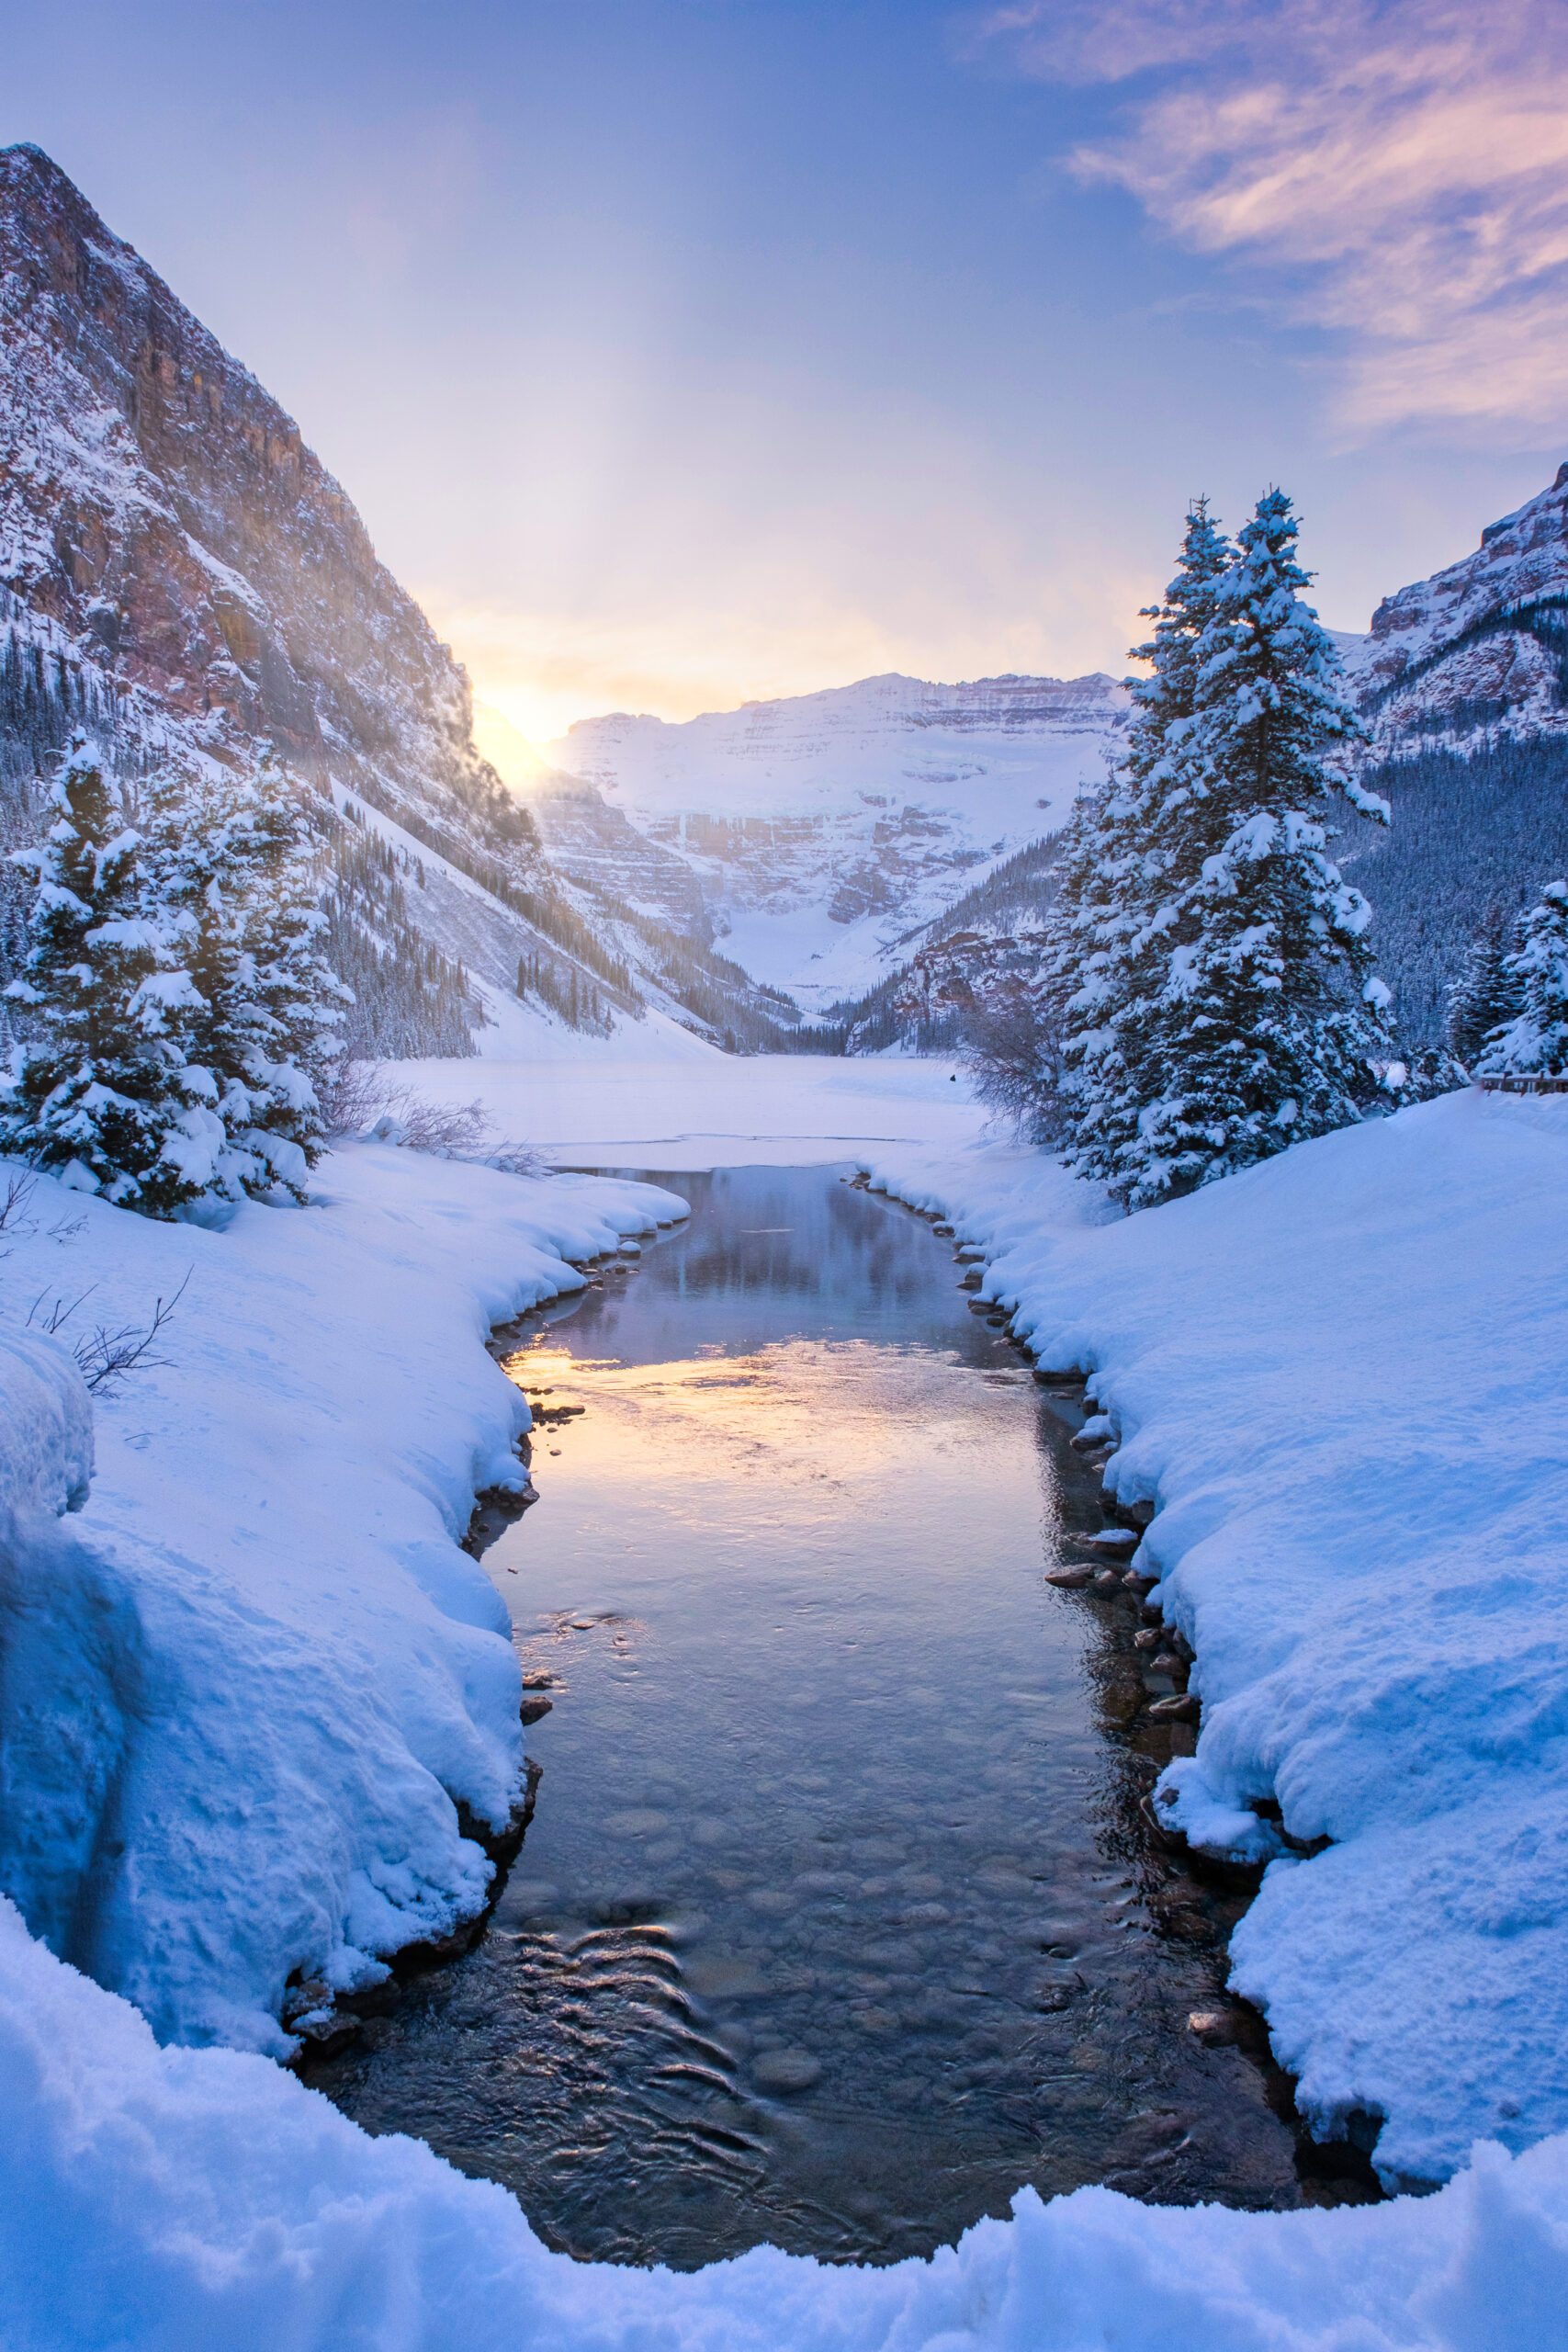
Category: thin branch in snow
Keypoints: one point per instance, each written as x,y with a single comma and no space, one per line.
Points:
113,1355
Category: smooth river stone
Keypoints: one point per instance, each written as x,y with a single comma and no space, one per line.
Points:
636,1822
786,2070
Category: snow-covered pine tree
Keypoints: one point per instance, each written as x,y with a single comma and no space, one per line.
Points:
1535,1041
1138,853
97,1088
1272,1017
1487,991
227,864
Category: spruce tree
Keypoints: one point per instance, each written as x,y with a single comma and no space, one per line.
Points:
97,1088
1535,1041
1270,1019
1134,862
1487,993
228,865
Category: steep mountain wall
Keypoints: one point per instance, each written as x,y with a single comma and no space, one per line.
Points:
1463,681
162,509
1478,648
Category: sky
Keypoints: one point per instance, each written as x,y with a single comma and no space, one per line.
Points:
678,353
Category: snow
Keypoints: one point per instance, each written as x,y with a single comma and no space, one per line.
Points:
828,827
245,1682
1342,1377
706,1110
185,2199
260,1641
46,1438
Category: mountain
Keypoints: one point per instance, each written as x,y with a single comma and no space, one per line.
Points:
818,835
1464,682
181,573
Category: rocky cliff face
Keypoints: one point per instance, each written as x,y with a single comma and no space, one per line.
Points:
163,512
824,831
1481,647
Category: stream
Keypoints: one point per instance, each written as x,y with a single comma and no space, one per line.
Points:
837,1919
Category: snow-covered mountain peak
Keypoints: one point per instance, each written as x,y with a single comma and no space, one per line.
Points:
823,829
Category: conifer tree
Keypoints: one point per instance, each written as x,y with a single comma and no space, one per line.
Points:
98,1089
227,867
1487,991
1535,1041
1270,1018
1134,858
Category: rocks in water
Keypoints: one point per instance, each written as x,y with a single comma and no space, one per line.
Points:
786,2070
636,1821
1107,1580
945,1231
533,1709
1070,1579
972,1280
1147,1637
1182,1707
1111,1539
773,1902
1165,1663
1139,1581
1216,2028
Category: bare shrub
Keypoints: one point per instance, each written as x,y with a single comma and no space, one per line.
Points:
104,1356
14,1218
1014,1054
359,1099
350,1095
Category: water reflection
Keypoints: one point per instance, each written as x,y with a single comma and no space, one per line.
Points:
836,1920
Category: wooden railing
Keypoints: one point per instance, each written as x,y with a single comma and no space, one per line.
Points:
1523,1082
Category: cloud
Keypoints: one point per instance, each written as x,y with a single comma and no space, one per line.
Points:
1399,171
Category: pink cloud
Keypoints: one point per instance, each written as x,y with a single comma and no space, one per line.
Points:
1400,171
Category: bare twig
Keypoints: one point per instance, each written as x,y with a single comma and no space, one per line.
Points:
114,1355
59,1313
18,1193
103,1355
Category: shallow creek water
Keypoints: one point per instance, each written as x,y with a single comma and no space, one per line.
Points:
837,1919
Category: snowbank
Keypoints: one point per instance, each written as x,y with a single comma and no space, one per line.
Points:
1344,1379
243,1689
178,2200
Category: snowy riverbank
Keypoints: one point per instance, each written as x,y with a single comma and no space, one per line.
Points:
243,1692
1344,1379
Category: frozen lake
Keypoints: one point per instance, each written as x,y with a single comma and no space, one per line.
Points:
837,1920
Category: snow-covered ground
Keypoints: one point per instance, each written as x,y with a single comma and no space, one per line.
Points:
245,1682
709,1110
1343,1378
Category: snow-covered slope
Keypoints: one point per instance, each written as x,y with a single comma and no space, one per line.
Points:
822,830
